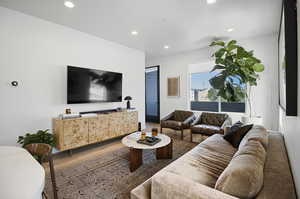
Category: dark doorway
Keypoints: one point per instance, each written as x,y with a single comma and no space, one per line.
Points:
152,94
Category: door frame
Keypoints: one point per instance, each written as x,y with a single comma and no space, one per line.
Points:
158,94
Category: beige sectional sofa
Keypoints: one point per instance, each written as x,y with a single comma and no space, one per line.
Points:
214,169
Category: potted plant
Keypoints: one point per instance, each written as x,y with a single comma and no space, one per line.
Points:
238,68
41,136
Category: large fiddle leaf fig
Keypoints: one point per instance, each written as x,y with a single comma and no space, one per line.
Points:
238,67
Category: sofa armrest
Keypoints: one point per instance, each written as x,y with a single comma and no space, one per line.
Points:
197,120
189,120
168,185
168,117
226,123
143,191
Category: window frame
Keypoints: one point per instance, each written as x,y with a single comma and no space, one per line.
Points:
203,68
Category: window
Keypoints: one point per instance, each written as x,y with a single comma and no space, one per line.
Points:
204,97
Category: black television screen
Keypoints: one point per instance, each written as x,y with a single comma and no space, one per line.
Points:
89,85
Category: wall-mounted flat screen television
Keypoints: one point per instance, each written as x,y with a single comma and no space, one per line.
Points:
90,86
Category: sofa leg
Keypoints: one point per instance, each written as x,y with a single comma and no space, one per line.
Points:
161,130
191,136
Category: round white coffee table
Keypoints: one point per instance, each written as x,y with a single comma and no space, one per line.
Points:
163,148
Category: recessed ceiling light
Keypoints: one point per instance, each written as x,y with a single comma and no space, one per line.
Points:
69,4
211,1
166,47
230,29
134,32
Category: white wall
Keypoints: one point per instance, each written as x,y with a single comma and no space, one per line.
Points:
264,96
290,127
172,67
35,53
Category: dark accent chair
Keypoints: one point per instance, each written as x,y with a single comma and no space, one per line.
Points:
210,124
178,120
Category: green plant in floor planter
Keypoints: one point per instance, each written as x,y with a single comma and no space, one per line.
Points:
41,136
238,68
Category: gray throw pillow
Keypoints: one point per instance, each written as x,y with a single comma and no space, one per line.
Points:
236,133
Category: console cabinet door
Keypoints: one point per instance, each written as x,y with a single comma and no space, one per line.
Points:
98,128
75,133
116,124
131,122
58,130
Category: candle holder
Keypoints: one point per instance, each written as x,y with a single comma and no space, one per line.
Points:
154,131
143,135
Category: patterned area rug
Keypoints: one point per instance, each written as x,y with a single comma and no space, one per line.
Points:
107,175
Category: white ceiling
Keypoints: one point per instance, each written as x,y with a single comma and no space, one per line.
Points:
184,25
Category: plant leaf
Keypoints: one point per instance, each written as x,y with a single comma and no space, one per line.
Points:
232,47
220,61
232,42
218,81
258,67
220,52
212,94
241,53
217,67
217,43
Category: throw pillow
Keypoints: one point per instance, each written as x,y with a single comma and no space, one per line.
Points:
236,133
243,177
235,127
257,133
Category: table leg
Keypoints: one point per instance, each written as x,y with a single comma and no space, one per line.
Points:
165,152
136,158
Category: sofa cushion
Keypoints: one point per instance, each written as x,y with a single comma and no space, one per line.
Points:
180,116
237,133
243,177
166,185
257,133
204,163
206,129
216,119
278,179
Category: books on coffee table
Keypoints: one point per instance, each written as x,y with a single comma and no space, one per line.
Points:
150,141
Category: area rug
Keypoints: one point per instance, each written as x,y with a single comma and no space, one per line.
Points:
107,176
